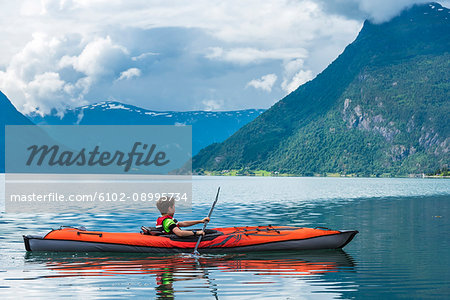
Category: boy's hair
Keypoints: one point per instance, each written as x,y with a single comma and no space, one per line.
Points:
164,203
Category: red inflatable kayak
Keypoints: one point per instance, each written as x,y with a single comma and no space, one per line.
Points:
218,240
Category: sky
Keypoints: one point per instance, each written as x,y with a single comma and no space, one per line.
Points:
173,54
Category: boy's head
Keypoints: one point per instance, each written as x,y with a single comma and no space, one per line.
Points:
166,205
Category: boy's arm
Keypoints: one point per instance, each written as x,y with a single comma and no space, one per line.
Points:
191,223
182,233
170,227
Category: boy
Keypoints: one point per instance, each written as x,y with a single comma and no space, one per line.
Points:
170,225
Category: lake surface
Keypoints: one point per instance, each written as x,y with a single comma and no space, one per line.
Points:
401,252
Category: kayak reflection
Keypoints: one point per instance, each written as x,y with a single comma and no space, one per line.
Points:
95,264
168,269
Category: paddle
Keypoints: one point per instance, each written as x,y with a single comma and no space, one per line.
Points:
206,223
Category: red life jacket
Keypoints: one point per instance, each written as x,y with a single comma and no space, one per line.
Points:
160,220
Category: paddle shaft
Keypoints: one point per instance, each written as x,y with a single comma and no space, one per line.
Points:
206,223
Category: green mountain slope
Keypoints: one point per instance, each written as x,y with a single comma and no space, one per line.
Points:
381,107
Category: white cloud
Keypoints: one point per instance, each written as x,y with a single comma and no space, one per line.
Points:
100,57
32,8
265,83
377,11
84,47
46,85
80,117
212,104
130,73
299,78
230,21
383,10
295,75
33,77
252,55
445,3
245,33
143,56
254,24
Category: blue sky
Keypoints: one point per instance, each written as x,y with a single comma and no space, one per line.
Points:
173,55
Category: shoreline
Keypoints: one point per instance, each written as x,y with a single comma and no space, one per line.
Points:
263,173
212,174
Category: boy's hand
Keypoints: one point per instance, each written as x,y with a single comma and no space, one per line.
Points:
200,232
205,220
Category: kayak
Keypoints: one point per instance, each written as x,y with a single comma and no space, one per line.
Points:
217,240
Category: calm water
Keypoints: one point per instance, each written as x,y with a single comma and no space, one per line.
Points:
402,250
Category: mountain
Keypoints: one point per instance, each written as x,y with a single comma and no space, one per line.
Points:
8,116
207,126
381,108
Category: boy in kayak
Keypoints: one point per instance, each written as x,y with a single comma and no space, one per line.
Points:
170,225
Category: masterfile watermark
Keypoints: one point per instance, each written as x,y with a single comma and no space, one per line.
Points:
96,168
96,197
68,193
98,149
53,156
